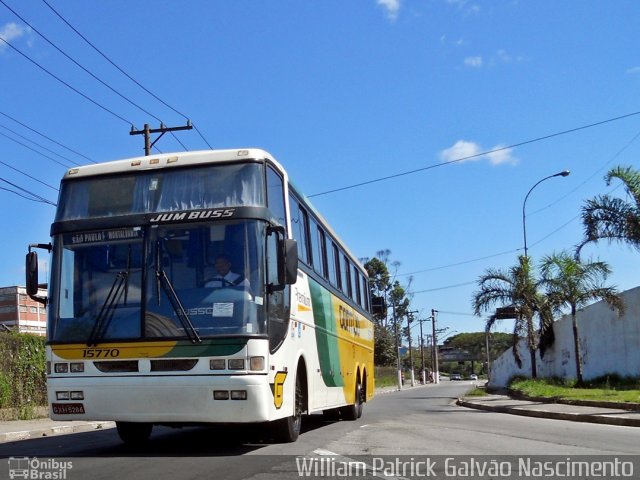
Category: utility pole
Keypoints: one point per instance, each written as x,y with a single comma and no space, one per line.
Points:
395,329
148,144
409,320
422,374
436,369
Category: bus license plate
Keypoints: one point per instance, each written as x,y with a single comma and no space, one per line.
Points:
67,408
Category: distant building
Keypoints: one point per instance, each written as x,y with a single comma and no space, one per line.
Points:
18,312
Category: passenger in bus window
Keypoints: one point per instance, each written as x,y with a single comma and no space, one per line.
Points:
224,276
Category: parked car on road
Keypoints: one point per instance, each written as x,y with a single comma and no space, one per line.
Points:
473,376
455,376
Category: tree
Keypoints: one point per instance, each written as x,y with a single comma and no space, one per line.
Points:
611,218
379,281
515,288
572,283
386,332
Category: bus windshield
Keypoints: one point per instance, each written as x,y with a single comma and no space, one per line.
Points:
173,281
167,190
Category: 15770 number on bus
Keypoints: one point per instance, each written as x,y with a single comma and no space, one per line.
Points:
100,353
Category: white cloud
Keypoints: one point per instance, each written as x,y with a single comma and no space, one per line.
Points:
392,8
475,62
10,31
502,155
460,149
471,152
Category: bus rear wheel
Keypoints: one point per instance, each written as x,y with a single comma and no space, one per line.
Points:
287,429
354,412
133,433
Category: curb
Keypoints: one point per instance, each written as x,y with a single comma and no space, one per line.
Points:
574,417
54,430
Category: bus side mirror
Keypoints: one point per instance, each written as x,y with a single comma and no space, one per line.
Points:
31,265
31,271
290,262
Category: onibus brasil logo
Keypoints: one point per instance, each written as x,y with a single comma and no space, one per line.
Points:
38,469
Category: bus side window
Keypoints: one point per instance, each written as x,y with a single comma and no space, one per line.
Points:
275,196
334,267
278,301
299,229
316,249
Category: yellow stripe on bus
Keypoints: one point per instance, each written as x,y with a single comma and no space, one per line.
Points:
113,350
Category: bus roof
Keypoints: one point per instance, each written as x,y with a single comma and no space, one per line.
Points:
169,160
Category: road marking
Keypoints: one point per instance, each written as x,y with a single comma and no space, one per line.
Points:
349,461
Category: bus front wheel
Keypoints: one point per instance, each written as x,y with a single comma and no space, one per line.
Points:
287,429
133,433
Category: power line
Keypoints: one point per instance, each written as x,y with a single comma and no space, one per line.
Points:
65,83
468,157
35,197
46,137
27,175
95,77
34,150
464,262
123,72
444,288
37,144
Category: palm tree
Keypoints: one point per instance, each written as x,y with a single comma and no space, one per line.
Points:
611,218
515,288
575,284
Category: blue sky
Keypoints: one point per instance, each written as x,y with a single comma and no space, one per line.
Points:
342,93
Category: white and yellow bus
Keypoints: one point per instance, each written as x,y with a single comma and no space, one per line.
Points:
201,287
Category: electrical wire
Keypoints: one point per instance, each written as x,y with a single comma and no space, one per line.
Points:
37,144
124,72
86,97
35,197
46,137
27,175
469,157
95,77
34,150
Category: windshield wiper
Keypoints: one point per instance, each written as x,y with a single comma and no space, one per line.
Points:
163,281
108,308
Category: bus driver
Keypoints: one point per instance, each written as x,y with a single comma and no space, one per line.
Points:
224,276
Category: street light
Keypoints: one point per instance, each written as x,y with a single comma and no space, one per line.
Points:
564,173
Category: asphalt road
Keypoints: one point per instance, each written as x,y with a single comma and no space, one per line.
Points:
421,421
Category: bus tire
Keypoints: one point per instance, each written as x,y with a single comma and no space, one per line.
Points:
354,412
133,433
287,429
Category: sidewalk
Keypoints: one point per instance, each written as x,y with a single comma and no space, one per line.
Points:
557,411
14,430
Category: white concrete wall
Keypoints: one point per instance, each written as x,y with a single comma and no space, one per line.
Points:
609,344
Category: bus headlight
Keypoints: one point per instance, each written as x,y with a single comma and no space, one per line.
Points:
236,364
62,396
61,367
256,363
238,394
216,364
77,367
77,395
221,395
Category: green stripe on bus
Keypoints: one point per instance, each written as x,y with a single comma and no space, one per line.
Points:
326,335
215,347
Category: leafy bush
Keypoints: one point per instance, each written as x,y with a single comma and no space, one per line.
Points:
22,373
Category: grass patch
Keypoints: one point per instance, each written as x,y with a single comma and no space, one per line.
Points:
610,388
477,392
386,376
